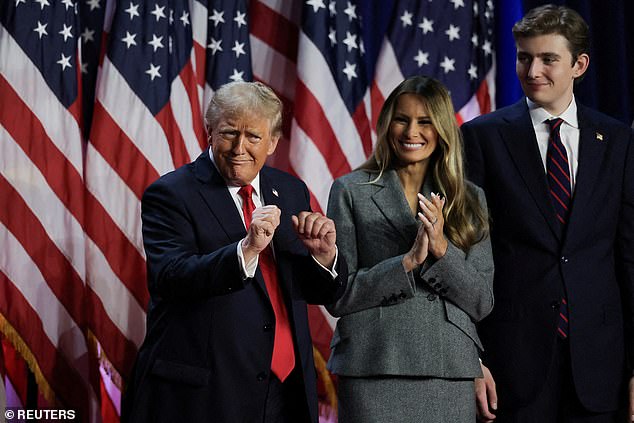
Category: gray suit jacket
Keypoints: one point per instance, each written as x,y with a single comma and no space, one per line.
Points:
398,323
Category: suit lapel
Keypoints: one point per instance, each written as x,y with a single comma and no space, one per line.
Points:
520,140
391,201
592,147
214,191
270,196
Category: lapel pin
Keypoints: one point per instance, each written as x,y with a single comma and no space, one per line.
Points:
599,136
275,192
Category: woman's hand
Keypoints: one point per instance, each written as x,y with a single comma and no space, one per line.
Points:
418,253
433,222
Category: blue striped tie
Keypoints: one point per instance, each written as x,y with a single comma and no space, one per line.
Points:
558,171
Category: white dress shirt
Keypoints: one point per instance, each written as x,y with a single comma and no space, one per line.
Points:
569,131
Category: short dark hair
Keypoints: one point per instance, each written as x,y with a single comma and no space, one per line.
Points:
551,19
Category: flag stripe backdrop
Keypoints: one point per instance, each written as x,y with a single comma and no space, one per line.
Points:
100,98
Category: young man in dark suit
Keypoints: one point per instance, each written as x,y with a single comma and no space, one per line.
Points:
234,254
559,181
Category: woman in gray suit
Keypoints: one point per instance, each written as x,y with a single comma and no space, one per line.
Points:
415,236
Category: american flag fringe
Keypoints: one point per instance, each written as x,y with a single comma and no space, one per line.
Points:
99,98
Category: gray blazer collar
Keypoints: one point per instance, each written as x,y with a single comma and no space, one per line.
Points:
390,200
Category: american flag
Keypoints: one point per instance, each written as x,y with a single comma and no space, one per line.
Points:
99,98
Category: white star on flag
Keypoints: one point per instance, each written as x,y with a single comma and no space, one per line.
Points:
41,29
238,49
132,10
426,25
217,17
129,39
157,42
240,18
422,58
350,70
214,45
448,64
153,71
453,32
64,61
406,18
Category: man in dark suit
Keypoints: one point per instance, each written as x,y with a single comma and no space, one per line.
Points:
559,181
227,334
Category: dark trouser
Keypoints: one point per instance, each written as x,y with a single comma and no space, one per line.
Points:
558,402
286,402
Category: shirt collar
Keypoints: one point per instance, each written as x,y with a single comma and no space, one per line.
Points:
539,115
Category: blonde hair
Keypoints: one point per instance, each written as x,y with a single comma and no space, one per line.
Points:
465,220
240,96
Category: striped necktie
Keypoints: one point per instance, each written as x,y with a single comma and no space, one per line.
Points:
558,170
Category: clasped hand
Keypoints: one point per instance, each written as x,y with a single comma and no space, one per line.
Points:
430,237
315,230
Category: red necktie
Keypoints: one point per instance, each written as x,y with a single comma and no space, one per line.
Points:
283,353
560,194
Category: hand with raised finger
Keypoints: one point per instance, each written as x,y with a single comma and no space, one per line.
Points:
419,251
264,222
318,234
433,221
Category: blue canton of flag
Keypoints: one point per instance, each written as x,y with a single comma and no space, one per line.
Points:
48,35
449,40
336,30
92,14
150,43
228,48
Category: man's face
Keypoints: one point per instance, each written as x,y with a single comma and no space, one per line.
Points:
240,144
546,70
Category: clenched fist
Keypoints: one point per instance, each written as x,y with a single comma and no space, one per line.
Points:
318,234
264,222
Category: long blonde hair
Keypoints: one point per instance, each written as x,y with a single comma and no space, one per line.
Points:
465,220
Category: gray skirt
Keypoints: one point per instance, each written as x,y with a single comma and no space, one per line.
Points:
384,399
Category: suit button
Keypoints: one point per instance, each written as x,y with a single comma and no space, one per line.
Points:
432,280
261,376
443,291
431,297
555,305
564,259
402,295
267,327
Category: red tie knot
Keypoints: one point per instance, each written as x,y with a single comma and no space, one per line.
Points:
246,191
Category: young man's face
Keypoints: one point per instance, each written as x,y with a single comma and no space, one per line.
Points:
546,70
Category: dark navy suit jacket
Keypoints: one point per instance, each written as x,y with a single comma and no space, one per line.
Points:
592,262
207,353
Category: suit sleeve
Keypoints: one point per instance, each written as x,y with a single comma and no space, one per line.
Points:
176,267
474,156
625,246
369,286
465,279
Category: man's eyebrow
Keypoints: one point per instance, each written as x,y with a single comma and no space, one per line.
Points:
549,54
